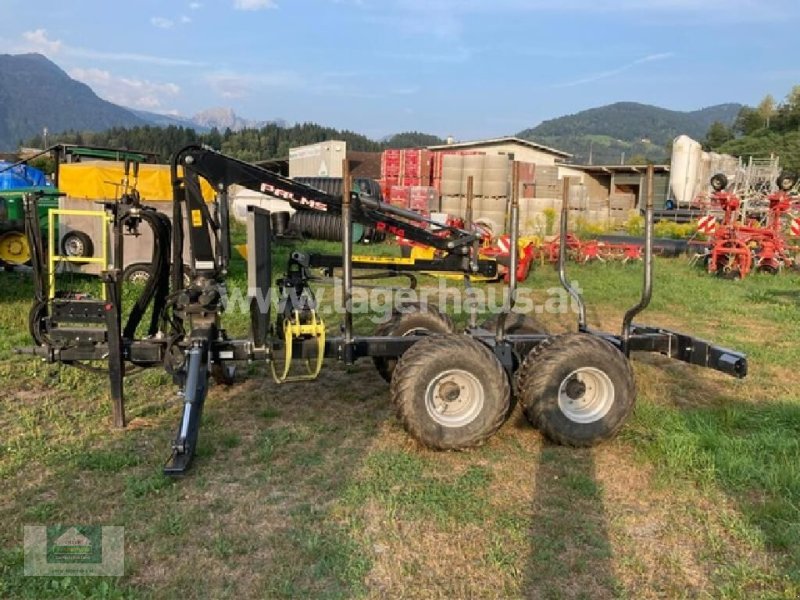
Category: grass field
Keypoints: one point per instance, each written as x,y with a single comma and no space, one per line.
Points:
315,491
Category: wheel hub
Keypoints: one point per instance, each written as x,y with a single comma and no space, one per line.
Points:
14,248
454,398
450,391
586,395
575,388
74,247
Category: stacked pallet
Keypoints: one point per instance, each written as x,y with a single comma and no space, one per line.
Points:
548,185
620,206
490,186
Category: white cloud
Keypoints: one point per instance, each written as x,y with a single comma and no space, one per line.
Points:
37,41
456,56
126,91
616,71
410,90
230,86
254,4
186,19
164,61
441,24
444,19
481,6
161,22
233,85
195,5
239,85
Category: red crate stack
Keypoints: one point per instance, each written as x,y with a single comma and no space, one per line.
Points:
390,164
408,167
423,198
399,196
415,164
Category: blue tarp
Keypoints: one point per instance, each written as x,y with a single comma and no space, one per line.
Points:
20,176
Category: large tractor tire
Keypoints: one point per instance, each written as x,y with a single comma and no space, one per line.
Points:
577,389
416,320
450,392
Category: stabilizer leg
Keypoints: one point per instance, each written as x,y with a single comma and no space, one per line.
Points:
183,448
116,364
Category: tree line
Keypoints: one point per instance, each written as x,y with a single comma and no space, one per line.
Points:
770,128
252,145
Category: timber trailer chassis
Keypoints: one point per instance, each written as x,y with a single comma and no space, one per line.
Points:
451,390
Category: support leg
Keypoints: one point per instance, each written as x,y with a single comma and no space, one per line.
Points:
194,392
116,363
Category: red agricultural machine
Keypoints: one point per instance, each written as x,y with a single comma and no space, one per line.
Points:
740,244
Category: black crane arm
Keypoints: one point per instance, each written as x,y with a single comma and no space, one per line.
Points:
222,171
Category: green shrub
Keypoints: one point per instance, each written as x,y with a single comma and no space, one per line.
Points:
549,220
634,225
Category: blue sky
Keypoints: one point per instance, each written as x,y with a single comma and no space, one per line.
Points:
467,68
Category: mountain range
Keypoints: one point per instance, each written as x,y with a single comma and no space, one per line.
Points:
616,132
220,117
35,94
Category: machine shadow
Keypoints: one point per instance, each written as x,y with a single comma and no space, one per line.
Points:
570,553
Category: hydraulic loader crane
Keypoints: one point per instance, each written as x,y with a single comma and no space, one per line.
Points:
452,389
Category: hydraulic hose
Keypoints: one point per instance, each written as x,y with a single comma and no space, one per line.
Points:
157,286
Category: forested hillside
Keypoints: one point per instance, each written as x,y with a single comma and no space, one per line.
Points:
36,94
270,141
769,128
627,131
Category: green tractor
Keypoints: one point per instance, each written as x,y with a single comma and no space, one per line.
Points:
17,180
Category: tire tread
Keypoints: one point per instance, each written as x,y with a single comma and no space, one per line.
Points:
540,364
418,357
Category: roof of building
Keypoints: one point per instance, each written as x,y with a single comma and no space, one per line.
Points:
503,140
608,169
276,165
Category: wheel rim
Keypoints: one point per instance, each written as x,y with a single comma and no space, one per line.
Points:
454,398
417,332
139,277
14,248
586,395
74,246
